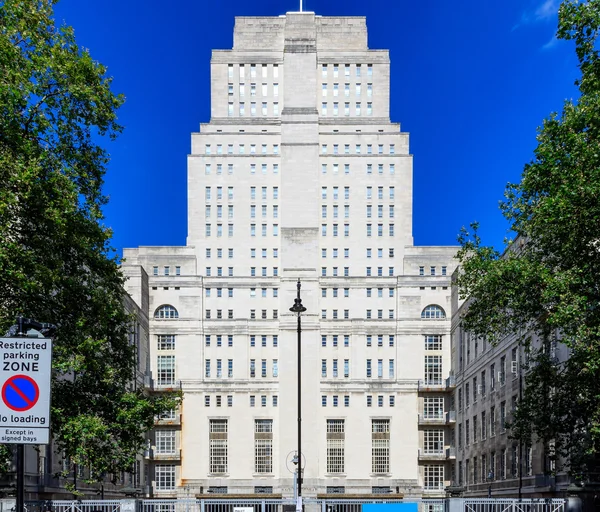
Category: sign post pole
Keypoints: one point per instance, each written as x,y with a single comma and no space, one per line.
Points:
20,477
25,370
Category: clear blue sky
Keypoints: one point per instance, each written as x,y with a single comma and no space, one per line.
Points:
471,82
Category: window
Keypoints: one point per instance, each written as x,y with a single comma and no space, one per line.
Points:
433,442
433,342
335,446
166,342
218,446
433,370
380,446
433,408
263,446
433,311
164,475
165,442
166,370
166,311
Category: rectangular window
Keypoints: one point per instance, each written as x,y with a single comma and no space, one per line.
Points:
433,442
164,475
263,446
165,442
335,446
380,446
165,370
433,342
433,408
166,342
218,446
433,370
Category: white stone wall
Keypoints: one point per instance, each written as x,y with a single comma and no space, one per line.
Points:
302,172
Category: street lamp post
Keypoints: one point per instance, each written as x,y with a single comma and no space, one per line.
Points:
298,308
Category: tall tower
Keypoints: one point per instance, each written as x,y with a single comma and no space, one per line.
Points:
300,175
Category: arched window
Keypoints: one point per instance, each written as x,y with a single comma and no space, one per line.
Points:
166,311
433,311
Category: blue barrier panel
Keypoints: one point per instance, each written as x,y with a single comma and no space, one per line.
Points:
390,507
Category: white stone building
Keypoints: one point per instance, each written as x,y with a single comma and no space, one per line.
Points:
300,175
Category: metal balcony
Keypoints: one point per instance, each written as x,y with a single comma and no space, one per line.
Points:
438,455
437,385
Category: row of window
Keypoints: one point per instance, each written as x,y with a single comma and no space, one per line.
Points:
335,373
358,89
166,270
241,149
264,169
335,169
337,402
209,253
165,370
208,169
337,149
324,192
346,312
326,69
493,466
370,252
335,435
253,272
358,149
335,272
220,314
478,428
480,385
369,192
222,401
219,192
431,341
264,89
335,108
433,270
220,230
264,228
433,311
379,292
253,70
220,211
264,110
335,229
220,292
369,272
336,213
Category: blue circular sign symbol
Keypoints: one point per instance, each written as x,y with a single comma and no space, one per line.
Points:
20,393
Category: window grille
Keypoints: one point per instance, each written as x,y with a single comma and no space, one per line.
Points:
218,446
380,446
335,446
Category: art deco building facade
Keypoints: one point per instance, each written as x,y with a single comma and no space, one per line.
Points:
300,175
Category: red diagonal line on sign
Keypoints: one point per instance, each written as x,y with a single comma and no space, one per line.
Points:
20,393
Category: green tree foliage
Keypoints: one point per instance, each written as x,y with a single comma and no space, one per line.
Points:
56,264
547,283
